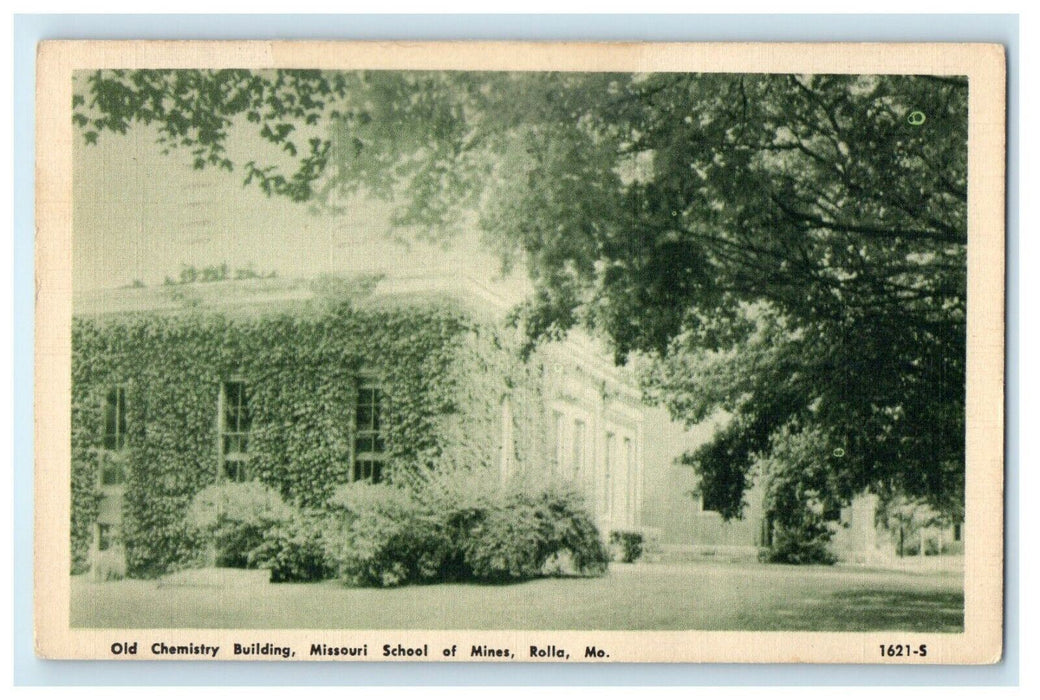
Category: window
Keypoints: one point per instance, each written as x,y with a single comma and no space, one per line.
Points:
235,421
558,443
578,454
113,469
114,437
630,481
105,536
112,459
369,437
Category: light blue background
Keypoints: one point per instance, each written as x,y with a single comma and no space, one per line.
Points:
29,29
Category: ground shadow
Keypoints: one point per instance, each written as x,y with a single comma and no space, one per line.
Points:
887,609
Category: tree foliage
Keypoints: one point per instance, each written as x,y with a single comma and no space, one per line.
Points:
788,249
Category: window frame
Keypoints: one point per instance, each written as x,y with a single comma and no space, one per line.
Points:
558,457
119,420
239,459
369,464
112,460
579,449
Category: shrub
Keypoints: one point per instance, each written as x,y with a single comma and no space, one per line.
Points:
508,532
568,528
460,526
234,518
296,549
504,541
807,543
386,537
627,544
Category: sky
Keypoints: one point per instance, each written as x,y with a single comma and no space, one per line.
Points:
141,215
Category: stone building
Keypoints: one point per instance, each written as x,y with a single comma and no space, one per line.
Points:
309,384
305,385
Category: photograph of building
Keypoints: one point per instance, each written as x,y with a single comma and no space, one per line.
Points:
517,351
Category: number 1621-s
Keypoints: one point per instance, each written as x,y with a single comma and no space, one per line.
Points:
904,650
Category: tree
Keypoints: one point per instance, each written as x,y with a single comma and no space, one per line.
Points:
789,250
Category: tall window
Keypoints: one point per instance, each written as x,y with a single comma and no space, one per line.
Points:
112,460
630,479
608,484
369,435
235,421
115,419
558,428
578,456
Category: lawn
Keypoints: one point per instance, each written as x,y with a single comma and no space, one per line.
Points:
688,596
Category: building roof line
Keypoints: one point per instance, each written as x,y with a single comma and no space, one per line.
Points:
271,293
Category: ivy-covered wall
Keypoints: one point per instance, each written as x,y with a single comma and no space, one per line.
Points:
487,373
444,375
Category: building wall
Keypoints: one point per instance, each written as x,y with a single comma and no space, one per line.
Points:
498,420
677,514
594,433
564,413
457,394
673,507
675,510
303,374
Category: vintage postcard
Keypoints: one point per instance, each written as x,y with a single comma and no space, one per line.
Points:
520,352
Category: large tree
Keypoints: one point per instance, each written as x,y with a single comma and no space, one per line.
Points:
786,250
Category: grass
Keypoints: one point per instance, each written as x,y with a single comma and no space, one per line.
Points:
688,596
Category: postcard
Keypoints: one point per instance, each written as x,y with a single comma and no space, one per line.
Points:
519,352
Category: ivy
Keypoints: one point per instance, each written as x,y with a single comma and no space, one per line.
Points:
443,374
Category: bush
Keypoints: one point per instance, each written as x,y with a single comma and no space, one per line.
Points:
498,542
806,544
234,518
296,550
386,537
627,544
568,528
521,532
460,526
